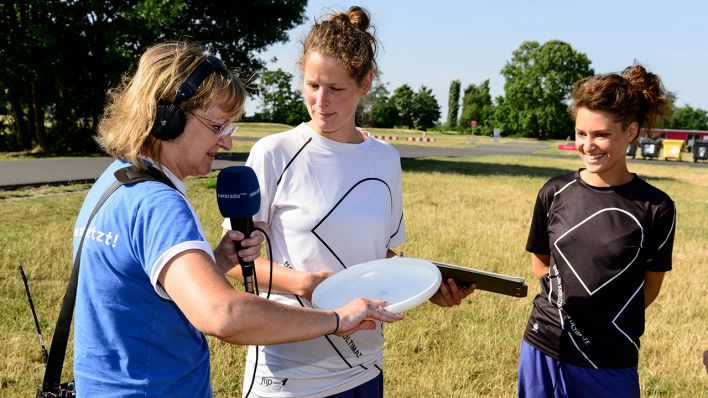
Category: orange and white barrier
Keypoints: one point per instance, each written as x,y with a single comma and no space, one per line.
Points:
386,137
421,139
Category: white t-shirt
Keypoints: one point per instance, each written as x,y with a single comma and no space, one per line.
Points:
329,206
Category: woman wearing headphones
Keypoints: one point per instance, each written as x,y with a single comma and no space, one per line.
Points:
150,285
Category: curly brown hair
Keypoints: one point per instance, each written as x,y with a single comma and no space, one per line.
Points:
634,95
346,37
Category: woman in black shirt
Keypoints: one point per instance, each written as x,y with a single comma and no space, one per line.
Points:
600,241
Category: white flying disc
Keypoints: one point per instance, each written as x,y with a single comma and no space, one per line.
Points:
403,282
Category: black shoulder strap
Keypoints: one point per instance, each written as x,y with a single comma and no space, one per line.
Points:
131,175
57,351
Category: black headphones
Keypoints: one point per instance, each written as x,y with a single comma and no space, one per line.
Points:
169,117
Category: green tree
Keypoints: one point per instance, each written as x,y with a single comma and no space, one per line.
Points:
539,79
59,57
280,103
426,110
477,105
688,118
382,111
403,100
363,115
419,110
453,104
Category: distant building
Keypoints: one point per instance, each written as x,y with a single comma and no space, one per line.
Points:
688,136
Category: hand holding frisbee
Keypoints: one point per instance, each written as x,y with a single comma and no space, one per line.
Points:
400,281
359,313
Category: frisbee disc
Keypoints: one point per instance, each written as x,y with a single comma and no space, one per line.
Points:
403,282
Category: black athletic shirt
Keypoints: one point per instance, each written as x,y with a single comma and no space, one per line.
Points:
590,311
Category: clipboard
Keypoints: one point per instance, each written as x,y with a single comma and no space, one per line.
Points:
508,285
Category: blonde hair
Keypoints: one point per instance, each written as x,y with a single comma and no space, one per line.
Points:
346,37
124,128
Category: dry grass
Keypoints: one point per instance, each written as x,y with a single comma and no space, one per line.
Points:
472,212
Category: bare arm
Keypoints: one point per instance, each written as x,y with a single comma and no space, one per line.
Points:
540,265
652,286
288,280
212,305
285,279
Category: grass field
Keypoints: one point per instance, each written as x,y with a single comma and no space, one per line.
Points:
468,211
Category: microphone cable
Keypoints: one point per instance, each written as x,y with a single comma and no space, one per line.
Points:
270,258
270,286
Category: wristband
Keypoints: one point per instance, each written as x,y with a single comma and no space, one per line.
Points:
336,317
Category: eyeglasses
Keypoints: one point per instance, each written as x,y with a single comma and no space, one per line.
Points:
221,130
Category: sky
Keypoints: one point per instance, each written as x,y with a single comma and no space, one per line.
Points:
432,42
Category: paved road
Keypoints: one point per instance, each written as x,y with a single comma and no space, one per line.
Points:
34,172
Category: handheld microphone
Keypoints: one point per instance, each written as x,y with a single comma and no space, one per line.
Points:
239,198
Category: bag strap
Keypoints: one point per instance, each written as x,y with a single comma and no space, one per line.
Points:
57,351
130,175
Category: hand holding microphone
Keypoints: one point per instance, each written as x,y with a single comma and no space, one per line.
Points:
225,252
239,198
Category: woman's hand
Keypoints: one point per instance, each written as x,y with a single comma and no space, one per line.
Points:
450,295
225,253
359,315
251,247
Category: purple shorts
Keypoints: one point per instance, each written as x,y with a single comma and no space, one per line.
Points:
543,376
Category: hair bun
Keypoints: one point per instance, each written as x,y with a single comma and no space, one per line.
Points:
346,37
358,17
644,82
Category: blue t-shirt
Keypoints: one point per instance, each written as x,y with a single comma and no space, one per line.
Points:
130,339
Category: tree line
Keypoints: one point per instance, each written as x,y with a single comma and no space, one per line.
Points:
538,82
59,58
281,103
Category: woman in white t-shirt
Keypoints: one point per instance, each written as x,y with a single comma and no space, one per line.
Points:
331,197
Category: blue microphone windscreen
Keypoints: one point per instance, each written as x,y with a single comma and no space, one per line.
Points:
237,192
